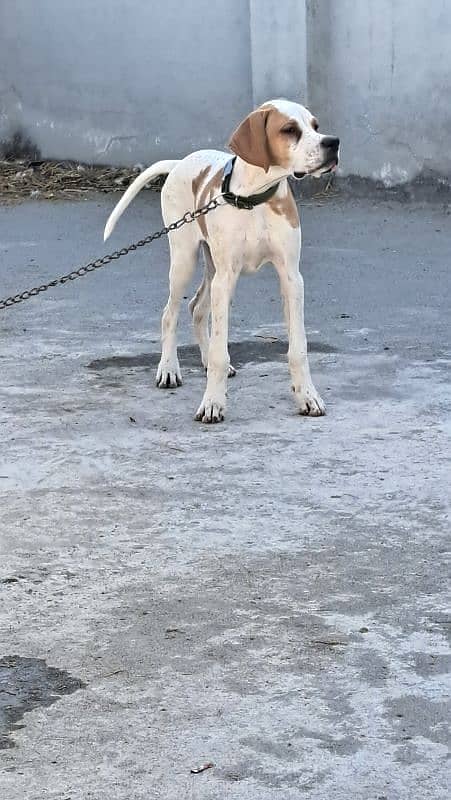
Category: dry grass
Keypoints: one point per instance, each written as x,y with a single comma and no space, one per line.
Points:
48,180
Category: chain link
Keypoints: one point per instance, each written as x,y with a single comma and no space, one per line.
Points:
189,216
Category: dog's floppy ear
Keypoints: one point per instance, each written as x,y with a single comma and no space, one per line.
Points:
250,140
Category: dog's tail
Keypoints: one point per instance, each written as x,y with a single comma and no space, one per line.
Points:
160,168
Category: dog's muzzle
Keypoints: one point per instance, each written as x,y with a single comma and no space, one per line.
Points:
330,146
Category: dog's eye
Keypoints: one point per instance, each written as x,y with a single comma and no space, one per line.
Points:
292,130
315,124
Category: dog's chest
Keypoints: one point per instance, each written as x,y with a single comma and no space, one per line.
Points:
254,257
250,239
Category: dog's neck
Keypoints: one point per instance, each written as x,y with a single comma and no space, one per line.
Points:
247,179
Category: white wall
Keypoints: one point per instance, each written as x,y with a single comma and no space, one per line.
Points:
126,81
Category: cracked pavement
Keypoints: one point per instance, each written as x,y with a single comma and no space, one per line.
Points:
269,594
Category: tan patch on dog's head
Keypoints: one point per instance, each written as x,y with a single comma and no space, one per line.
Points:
282,133
250,142
207,193
286,207
265,138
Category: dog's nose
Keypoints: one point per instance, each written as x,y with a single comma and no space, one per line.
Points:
331,143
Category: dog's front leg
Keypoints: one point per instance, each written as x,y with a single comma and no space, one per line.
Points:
212,408
292,289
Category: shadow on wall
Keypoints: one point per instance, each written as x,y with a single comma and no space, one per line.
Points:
19,147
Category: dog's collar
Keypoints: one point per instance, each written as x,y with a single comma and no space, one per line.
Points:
238,200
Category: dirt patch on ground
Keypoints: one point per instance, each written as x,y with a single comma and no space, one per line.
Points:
48,180
26,684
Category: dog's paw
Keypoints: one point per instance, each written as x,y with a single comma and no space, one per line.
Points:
168,375
211,410
310,403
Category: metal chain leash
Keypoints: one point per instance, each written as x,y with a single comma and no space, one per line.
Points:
189,216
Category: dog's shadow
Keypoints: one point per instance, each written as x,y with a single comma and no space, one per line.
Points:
251,351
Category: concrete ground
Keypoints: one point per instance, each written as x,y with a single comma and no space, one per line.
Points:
269,594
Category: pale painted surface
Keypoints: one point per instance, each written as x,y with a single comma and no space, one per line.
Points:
133,82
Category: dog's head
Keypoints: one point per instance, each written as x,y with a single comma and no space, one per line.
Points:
285,134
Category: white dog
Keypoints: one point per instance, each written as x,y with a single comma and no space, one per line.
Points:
258,222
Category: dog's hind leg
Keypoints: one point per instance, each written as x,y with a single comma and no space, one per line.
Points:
184,250
200,307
